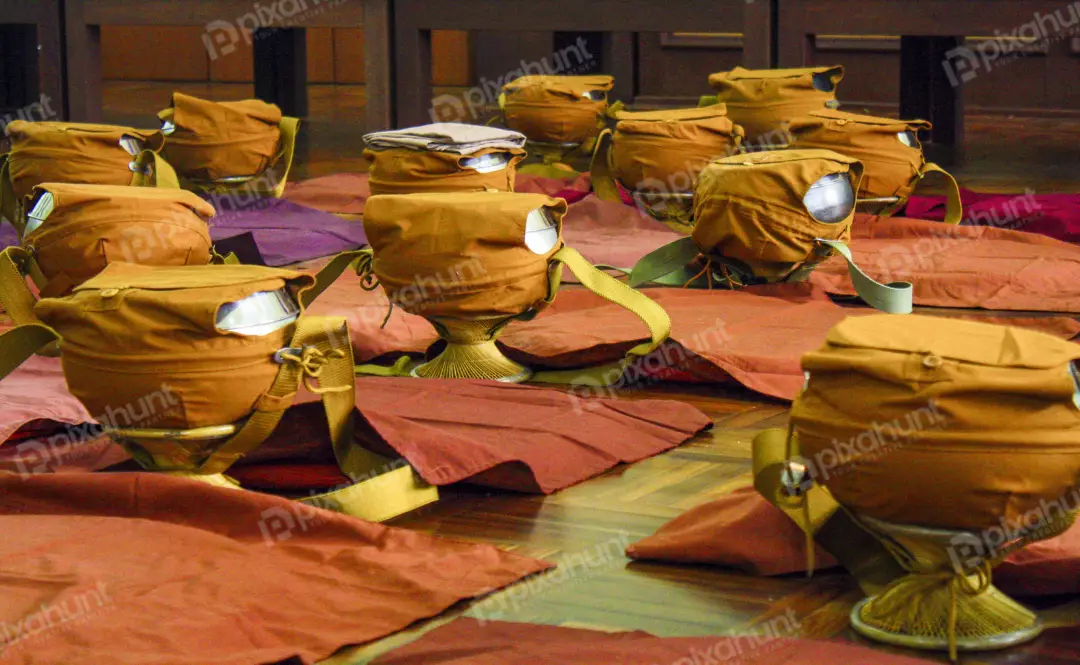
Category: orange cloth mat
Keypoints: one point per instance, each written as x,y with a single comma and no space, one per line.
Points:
512,437
472,642
742,530
341,193
135,568
962,266
520,438
755,336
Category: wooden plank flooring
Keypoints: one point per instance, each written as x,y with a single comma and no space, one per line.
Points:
585,528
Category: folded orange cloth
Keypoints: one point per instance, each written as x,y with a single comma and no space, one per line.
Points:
742,530
502,643
122,568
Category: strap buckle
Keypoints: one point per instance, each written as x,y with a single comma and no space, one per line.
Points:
795,479
280,355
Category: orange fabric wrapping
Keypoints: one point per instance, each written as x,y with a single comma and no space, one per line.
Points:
460,254
93,225
403,171
555,109
112,568
742,530
128,328
750,208
664,151
941,423
44,152
472,642
763,101
215,140
962,266
891,167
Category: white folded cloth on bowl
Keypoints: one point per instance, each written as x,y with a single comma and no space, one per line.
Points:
452,137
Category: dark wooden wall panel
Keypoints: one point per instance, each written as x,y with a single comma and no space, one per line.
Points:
165,53
679,72
1036,83
335,55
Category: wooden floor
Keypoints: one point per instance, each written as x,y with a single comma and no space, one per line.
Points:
598,518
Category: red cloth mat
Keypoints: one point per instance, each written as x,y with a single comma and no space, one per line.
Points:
516,437
1053,215
962,266
347,193
126,568
755,336
43,428
503,643
512,437
742,530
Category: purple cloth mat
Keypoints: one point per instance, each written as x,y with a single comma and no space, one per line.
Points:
8,235
287,233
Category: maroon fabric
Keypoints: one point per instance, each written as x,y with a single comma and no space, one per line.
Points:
512,437
742,530
502,643
137,568
1053,215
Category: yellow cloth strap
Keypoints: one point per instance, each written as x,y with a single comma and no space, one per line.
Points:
289,128
894,297
359,258
954,208
603,183
813,508
9,208
401,367
15,295
154,171
229,259
385,489
320,349
609,288
18,344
